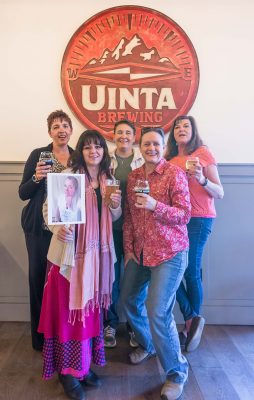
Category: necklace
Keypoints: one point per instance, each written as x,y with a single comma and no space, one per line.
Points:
124,160
121,160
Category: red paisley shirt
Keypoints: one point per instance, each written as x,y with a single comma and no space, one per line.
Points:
161,233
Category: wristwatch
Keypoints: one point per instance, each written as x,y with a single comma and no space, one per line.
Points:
205,182
34,179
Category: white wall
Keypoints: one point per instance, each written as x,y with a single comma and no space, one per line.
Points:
35,33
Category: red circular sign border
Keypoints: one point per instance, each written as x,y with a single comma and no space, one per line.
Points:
190,98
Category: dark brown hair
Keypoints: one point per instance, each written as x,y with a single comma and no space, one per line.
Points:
76,160
191,146
58,114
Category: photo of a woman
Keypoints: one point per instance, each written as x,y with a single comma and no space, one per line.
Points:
68,204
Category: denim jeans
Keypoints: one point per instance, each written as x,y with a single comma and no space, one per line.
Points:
112,313
156,332
190,295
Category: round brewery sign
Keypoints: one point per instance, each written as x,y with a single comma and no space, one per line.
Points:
132,63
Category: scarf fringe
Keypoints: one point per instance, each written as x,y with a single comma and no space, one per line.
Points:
80,315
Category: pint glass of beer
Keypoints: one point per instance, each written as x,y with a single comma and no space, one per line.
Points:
111,186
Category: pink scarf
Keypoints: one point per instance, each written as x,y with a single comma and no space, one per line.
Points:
93,274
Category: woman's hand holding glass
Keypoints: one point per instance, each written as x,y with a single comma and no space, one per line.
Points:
145,201
66,233
115,199
44,165
42,170
194,169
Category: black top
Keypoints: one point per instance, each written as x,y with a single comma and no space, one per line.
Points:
99,200
31,218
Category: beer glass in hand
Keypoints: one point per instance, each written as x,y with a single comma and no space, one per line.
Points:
193,167
142,186
47,158
111,186
191,163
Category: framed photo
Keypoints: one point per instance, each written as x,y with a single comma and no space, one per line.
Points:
66,199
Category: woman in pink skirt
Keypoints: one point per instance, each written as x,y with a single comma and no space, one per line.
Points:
80,276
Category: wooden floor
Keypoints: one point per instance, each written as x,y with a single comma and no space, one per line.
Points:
221,368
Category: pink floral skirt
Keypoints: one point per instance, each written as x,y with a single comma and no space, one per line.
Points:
69,348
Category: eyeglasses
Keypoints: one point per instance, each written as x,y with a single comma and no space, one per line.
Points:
147,129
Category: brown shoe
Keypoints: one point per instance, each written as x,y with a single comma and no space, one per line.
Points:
195,333
139,355
171,390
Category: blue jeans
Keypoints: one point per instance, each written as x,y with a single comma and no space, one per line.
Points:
190,295
157,332
112,315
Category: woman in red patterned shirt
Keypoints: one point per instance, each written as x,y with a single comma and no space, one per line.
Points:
186,149
156,246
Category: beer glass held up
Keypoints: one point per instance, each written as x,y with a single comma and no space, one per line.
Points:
142,186
111,186
191,163
46,157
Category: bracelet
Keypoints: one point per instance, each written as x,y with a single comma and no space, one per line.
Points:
205,182
34,179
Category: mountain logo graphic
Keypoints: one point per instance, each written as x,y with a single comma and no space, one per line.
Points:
129,62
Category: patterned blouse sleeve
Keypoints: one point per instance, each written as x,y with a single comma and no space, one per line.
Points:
178,213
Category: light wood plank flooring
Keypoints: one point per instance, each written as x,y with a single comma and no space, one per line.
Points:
222,368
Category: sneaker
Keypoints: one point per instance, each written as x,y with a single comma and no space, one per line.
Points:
171,390
133,342
109,337
195,333
139,355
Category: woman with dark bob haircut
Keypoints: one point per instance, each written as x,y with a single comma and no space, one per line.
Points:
186,150
81,273
77,160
